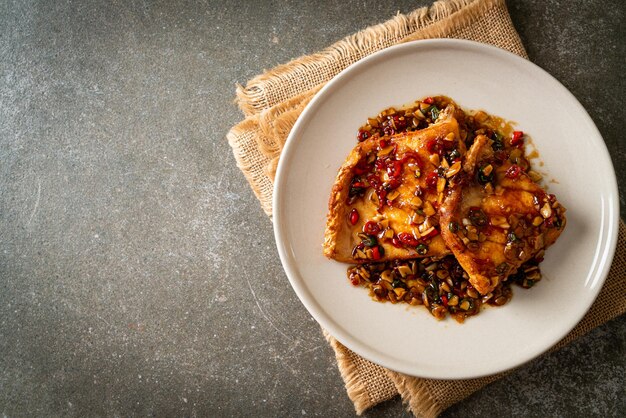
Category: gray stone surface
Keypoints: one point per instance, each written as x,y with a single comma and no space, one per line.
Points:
138,275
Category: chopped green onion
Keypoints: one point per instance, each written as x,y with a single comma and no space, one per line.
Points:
434,112
484,178
497,142
398,283
368,240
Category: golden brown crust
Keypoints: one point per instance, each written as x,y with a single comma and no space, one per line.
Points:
478,214
340,236
337,209
518,200
456,246
480,147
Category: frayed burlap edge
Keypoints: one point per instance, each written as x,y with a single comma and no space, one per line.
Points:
415,395
307,72
258,141
457,24
355,371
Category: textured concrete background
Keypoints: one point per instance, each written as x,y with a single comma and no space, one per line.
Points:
138,275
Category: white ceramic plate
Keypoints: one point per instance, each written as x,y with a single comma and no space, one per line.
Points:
408,339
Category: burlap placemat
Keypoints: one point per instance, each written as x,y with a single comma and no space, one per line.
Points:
273,101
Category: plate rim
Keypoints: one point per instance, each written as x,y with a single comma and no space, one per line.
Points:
611,213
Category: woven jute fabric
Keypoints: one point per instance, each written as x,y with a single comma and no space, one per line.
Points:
272,102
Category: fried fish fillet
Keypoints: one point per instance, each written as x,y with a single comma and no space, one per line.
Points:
498,218
384,202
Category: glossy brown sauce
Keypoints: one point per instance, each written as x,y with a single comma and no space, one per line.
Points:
439,284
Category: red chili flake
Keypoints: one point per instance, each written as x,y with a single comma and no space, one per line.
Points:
394,169
380,164
396,242
429,100
383,143
517,139
394,184
382,194
376,255
359,171
389,131
444,299
439,146
354,216
362,167
432,146
362,135
408,239
358,184
354,279
432,233
431,179
399,124
371,228
373,180
514,171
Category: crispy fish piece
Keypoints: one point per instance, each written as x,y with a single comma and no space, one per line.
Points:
497,218
384,202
